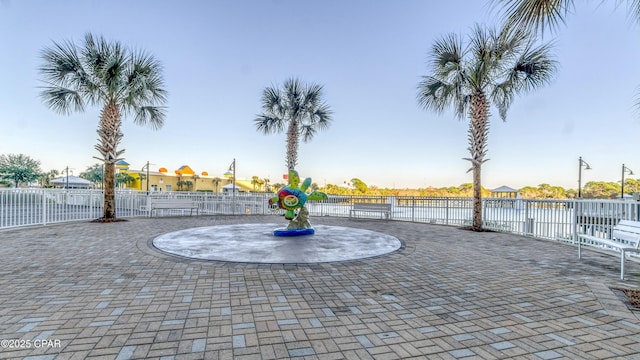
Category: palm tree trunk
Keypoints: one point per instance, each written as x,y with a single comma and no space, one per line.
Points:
292,145
478,133
477,198
109,190
109,134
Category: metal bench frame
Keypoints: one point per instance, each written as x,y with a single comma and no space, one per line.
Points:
382,208
625,238
160,204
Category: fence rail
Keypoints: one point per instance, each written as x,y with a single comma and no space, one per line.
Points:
549,219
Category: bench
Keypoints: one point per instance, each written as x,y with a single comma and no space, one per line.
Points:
625,238
371,207
160,204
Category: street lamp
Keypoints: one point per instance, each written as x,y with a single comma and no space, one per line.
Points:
232,172
67,171
624,170
581,163
147,168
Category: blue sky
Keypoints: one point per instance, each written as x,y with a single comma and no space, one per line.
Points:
218,56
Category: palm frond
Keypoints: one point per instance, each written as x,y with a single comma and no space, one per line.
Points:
535,67
294,93
141,82
320,116
535,15
269,124
61,100
446,58
272,102
481,44
502,96
312,96
307,131
634,9
66,79
95,53
153,116
61,62
434,94
449,81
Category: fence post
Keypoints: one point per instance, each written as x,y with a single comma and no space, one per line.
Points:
484,202
526,217
446,211
413,208
44,207
577,205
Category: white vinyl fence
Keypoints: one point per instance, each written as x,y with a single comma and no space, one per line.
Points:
549,219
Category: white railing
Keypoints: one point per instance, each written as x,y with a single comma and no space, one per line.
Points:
549,219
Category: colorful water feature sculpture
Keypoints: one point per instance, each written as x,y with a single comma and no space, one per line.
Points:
293,197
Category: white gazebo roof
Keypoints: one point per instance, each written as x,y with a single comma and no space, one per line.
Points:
73,180
504,188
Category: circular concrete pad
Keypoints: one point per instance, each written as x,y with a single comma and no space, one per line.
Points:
256,243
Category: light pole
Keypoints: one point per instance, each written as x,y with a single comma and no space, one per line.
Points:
67,180
143,168
581,163
232,172
624,170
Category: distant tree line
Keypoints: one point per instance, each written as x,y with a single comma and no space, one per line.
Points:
591,190
21,170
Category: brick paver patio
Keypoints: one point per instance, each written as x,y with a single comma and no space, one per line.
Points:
84,290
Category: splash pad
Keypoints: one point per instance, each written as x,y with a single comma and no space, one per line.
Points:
255,243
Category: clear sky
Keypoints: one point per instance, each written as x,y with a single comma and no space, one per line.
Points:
218,56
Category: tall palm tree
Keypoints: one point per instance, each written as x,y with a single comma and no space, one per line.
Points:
119,80
490,69
298,107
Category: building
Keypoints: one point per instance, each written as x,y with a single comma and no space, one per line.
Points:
71,182
181,179
505,192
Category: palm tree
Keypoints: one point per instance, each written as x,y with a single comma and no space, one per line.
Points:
180,184
266,181
141,177
538,15
101,73
216,181
94,173
124,178
299,108
490,70
46,178
255,181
